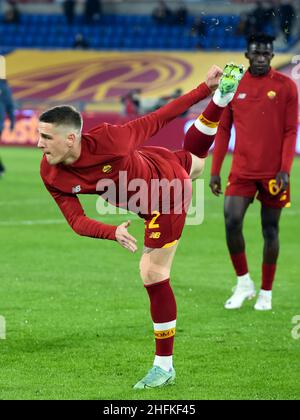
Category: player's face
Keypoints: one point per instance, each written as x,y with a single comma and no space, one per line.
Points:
54,143
260,56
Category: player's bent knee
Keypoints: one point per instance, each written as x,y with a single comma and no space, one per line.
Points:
152,277
152,273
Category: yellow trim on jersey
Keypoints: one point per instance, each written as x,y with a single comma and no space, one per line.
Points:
205,121
170,244
288,205
160,335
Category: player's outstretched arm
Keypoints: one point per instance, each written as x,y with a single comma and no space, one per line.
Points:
124,238
140,130
180,105
81,224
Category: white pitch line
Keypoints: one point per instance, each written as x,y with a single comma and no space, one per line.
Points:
31,222
213,215
23,202
45,222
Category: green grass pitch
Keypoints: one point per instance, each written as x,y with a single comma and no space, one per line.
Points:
78,323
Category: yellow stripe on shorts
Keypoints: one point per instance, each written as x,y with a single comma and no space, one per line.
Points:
170,244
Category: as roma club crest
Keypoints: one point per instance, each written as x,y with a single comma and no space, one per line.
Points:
272,94
107,169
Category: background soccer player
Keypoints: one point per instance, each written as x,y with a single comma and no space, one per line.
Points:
264,112
75,163
6,107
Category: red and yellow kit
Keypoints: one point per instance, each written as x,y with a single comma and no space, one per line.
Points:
264,113
266,191
115,154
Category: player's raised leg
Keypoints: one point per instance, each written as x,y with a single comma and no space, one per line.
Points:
201,134
155,267
234,211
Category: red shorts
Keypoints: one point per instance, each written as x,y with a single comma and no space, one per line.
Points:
265,190
163,230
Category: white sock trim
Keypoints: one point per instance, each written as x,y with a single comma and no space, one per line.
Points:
266,293
245,277
164,326
164,362
204,129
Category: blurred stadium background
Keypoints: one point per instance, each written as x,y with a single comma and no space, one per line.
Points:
114,62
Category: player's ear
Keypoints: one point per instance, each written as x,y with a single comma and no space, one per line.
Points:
71,139
247,55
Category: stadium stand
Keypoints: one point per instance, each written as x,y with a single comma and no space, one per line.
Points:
121,32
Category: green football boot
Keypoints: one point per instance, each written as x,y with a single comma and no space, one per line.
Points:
156,378
231,77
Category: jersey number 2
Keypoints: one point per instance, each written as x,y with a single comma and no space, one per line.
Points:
152,224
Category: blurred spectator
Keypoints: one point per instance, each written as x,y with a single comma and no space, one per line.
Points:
270,11
246,25
180,14
162,14
163,100
261,19
147,105
259,16
287,16
134,105
69,10
80,43
12,15
199,30
92,10
131,103
6,108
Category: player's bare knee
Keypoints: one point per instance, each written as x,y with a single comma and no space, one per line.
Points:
151,273
197,168
152,277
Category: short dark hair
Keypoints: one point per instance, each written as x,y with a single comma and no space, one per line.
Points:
260,38
62,115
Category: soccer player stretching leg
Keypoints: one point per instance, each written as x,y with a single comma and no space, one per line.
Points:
75,162
265,114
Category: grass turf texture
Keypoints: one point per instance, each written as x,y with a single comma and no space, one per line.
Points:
78,323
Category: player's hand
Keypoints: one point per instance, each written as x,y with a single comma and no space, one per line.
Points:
213,77
215,185
282,180
124,238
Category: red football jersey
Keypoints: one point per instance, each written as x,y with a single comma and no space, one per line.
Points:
109,150
264,113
